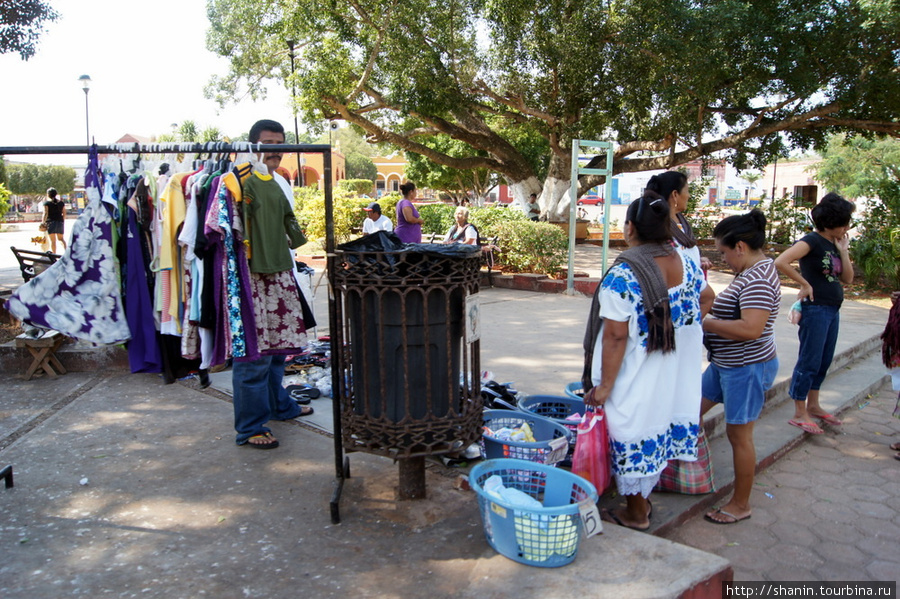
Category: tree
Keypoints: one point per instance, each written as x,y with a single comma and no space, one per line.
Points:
33,180
454,182
21,24
669,81
360,167
869,167
858,166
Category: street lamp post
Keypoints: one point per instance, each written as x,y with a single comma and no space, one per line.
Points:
300,177
86,86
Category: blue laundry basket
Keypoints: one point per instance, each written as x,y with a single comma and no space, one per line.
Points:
546,536
554,407
545,431
575,390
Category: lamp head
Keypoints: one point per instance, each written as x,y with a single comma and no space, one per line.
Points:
85,82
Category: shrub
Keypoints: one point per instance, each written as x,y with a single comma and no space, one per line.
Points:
784,221
356,186
438,218
489,219
528,246
309,206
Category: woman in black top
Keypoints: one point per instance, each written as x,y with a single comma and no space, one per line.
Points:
825,267
55,219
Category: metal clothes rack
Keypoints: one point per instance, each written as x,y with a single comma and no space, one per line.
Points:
342,464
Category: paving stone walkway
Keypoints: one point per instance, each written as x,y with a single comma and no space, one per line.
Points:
829,510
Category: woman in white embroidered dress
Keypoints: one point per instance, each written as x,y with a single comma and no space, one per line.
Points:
649,307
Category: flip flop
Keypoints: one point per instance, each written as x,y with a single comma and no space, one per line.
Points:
895,446
304,411
272,441
808,427
611,517
307,390
734,519
828,419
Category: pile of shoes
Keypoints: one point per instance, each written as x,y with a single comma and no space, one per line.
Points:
303,393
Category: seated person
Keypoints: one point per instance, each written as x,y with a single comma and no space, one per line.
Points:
375,221
463,231
533,209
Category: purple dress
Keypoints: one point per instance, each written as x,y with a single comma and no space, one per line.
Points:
406,231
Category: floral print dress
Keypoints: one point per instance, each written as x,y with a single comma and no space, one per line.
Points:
653,411
80,294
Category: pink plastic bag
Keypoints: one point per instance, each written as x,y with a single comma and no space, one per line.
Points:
591,459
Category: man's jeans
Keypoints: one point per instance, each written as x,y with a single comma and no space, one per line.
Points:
259,396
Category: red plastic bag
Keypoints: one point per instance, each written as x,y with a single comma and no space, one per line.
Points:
591,459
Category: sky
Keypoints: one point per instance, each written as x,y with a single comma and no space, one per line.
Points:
148,64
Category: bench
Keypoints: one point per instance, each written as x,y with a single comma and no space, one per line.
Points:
33,263
43,352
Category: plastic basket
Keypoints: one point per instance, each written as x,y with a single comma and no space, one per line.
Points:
575,391
554,407
547,536
545,431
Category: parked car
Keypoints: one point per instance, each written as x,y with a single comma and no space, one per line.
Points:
590,200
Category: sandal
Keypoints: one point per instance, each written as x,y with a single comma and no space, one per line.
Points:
610,516
895,446
710,517
808,427
828,419
271,443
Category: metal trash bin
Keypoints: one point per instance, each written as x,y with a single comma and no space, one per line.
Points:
409,374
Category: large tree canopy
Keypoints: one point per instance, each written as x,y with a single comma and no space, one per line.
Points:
21,24
668,81
33,180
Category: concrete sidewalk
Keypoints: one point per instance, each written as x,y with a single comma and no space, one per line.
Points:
126,486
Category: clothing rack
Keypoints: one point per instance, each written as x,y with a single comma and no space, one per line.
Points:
342,464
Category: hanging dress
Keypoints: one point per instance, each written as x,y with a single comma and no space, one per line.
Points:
80,294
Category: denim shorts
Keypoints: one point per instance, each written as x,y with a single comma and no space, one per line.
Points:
741,389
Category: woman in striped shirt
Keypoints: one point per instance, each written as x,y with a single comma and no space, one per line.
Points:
740,337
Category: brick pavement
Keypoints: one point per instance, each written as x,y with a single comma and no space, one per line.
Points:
829,510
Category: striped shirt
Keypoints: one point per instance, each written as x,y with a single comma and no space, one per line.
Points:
757,287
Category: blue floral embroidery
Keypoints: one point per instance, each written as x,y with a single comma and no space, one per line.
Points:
649,456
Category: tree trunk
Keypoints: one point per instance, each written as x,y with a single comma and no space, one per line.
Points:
521,193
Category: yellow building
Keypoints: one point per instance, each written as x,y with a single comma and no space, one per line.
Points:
313,169
391,173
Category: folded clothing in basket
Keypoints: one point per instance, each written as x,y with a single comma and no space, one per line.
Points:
539,536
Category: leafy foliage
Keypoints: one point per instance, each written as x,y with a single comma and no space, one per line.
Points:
21,24
784,221
360,167
35,179
4,200
309,206
528,246
859,166
356,186
669,81
438,218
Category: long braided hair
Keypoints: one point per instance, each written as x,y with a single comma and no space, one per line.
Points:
890,338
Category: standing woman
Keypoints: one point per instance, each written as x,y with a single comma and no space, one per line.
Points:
649,307
673,186
55,219
409,224
741,340
825,267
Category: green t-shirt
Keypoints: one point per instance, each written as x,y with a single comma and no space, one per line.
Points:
270,225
